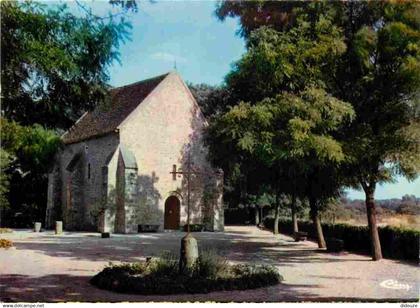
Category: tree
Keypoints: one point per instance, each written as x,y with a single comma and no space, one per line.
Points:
335,208
409,199
287,71
278,15
30,150
284,129
54,68
54,64
212,100
322,187
264,199
380,76
4,182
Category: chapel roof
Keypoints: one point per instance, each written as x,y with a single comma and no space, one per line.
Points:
105,119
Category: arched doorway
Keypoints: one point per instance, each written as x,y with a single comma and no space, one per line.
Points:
172,213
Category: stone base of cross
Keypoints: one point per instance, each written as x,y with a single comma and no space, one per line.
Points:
189,247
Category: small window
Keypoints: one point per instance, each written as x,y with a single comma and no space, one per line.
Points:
88,171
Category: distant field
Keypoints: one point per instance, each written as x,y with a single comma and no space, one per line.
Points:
395,220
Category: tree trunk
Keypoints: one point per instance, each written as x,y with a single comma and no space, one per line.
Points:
294,215
373,228
317,224
277,215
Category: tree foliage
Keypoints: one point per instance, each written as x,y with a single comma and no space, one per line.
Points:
287,127
376,70
380,76
279,15
30,150
4,179
287,61
291,67
213,100
290,136
54,67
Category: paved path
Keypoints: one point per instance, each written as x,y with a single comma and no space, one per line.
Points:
49,268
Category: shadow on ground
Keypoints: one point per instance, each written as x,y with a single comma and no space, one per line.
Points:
77,289
50,288
58,268
237,246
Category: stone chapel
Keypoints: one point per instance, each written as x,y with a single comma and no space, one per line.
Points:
115,171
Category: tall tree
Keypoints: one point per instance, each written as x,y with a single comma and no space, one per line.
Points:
275,61
287,128
299,63
278,15
5,161
54,64
30,150
380,77
323,184
213,100
53,67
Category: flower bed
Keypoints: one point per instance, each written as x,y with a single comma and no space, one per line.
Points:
161,276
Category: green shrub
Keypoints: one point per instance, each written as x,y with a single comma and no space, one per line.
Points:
396,243
161,276
166,265
131,268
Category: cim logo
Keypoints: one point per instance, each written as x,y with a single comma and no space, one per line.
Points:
394,284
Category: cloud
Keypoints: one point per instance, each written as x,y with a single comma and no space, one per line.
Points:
167,57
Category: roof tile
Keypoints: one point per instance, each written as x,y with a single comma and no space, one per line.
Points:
105,119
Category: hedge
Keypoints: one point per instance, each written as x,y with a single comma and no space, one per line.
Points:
396,243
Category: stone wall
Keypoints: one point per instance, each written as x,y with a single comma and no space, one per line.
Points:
107,219
54,204
158,132
96,153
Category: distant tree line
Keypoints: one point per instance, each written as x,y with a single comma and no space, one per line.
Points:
341,210
408,204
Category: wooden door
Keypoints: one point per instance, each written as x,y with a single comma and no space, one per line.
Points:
172,213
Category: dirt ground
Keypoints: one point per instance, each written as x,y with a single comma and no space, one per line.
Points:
43,267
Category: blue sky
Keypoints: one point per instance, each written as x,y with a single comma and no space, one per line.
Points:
185,32
188,33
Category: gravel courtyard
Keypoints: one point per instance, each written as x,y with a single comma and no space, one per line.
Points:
48,268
